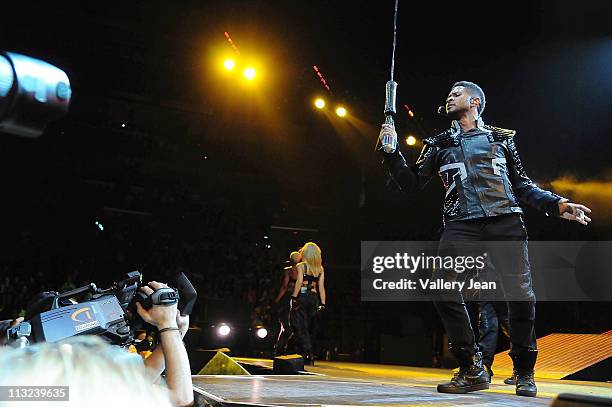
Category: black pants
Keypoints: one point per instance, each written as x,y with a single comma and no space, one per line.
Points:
493,320
302,319
512,266
286,332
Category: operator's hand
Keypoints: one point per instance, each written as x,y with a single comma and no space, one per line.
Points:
161,316
182,322
388,135
572,211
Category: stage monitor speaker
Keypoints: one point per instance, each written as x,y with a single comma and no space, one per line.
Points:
580,400
214,362
288,364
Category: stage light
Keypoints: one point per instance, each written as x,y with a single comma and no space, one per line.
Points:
229,64
261,332
32,94
411,140
223,330
100,226
319,103
409,111
250,73
341,111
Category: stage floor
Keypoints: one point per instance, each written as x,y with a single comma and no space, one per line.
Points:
354,384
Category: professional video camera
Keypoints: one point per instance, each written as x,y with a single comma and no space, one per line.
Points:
109,313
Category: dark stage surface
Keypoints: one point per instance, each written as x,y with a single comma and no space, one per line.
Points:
344,384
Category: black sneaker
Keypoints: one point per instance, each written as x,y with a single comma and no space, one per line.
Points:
467,379
524,363
510,380
525,384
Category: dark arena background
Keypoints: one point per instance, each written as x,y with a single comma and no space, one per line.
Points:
214,138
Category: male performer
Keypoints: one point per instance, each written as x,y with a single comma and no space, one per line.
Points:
484,180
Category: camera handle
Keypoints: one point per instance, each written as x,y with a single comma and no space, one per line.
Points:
18,335
91,288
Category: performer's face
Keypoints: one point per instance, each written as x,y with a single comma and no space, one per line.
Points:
457,101
296,258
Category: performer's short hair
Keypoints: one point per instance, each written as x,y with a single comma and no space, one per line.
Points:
475,90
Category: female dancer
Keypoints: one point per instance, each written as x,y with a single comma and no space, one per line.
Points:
308,297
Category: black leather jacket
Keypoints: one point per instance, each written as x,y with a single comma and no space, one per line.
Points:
480,169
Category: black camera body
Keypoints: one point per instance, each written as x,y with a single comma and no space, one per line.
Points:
109,313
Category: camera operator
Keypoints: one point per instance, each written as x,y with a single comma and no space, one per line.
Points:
80,361
170,354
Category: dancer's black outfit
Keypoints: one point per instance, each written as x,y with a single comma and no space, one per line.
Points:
493,321
304,310
484,181
286,332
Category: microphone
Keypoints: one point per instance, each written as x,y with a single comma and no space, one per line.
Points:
389,142
442,111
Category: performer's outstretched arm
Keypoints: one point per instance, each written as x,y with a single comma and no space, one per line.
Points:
529,193
525,189
410,178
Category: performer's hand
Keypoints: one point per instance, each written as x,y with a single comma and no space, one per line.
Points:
387,135
321,308
572,211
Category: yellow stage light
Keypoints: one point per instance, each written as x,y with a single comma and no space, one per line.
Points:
319,103
229,64
411,140
341,111
250,73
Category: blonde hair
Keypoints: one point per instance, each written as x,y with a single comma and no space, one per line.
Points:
311,255
96,373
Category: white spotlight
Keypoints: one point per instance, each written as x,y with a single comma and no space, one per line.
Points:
261,332
223,330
